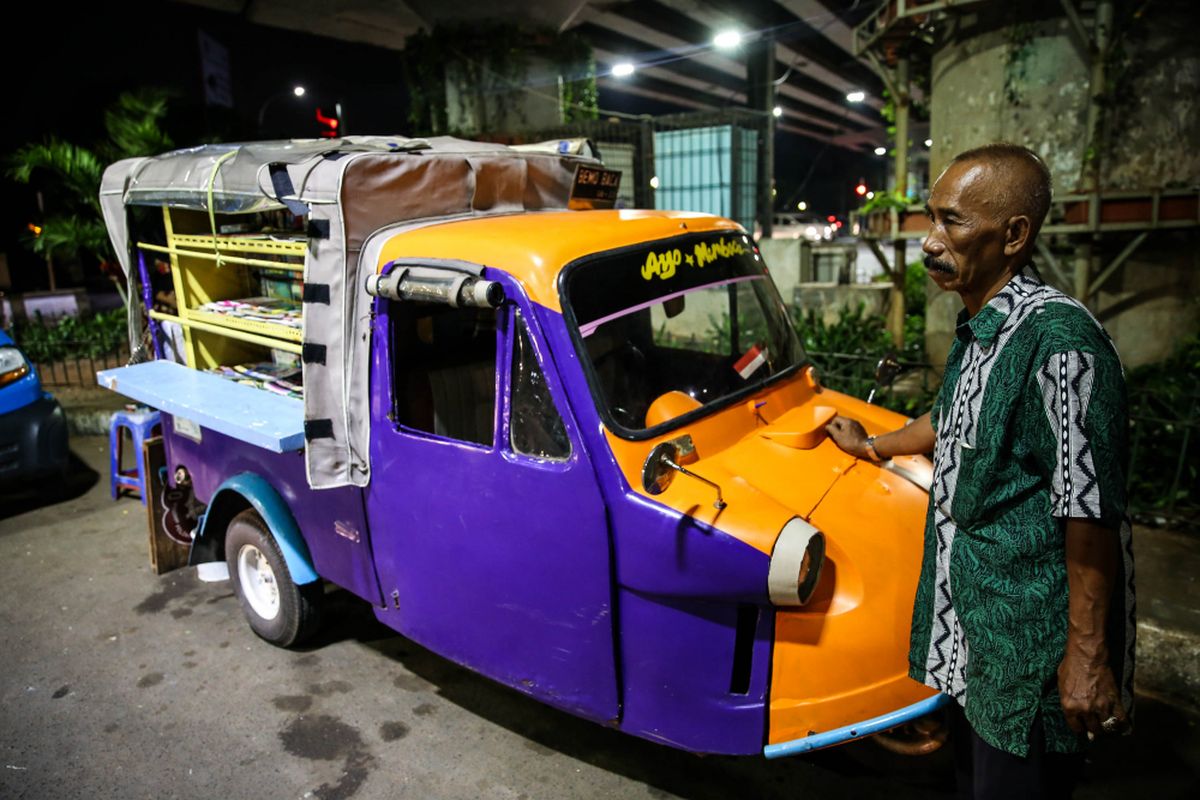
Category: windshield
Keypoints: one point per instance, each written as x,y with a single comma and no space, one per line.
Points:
679,325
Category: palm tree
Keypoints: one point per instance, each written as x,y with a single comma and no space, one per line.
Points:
69,176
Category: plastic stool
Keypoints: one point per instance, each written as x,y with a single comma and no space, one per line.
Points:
141,426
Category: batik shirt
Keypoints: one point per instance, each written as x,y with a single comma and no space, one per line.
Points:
1031,430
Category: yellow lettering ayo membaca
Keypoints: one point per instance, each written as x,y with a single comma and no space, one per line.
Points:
722,248
661,264
664,264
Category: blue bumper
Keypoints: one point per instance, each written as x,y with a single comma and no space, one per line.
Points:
858,730
33,441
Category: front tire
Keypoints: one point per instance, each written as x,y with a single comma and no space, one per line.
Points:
919,751
277,609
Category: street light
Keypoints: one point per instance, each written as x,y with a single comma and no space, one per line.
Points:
622,70
881,151
296,91
777,111
727,40
856,97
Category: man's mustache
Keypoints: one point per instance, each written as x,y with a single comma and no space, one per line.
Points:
934,264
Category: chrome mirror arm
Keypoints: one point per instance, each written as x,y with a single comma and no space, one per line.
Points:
720,504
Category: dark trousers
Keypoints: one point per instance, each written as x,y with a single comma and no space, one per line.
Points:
986,773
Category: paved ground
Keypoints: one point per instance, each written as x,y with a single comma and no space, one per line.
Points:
116,683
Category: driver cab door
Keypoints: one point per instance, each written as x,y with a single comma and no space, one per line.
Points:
490,537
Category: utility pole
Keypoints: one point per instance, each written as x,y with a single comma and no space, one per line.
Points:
1089,179
899,274
760,75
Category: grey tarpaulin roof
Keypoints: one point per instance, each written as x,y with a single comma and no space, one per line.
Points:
357,185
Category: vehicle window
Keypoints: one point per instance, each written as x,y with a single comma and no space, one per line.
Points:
536,429
679,325
444,370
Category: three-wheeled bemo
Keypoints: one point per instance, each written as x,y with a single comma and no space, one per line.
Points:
581,452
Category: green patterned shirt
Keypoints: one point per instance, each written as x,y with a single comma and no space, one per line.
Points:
1031,428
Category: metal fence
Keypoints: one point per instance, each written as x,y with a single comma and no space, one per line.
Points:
67,350
79,370
911,393
1164,471
1163,476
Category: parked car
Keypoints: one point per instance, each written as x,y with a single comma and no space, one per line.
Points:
33,428
802,226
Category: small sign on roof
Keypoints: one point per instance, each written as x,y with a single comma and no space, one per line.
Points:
594,188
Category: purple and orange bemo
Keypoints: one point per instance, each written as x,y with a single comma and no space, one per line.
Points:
570,582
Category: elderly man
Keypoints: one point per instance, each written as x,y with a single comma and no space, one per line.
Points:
1024,611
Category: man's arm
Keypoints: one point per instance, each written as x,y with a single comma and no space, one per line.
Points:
915,438
1085,681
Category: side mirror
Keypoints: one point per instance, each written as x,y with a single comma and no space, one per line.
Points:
885,373
659,469
663,462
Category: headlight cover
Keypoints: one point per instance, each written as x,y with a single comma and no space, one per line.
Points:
796,563
12,365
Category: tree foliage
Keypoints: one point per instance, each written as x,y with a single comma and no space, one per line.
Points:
68,175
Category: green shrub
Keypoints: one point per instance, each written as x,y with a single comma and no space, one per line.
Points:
915,280
72,337
847,350
884,201
1164,403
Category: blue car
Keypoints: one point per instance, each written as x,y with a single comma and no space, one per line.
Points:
33,428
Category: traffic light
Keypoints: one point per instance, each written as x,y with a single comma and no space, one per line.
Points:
861,188
329,125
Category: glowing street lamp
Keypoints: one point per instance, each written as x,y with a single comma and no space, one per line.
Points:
856,97
777,111
622,70
296,91
727,40
881,151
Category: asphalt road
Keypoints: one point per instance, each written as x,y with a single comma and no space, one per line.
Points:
118,683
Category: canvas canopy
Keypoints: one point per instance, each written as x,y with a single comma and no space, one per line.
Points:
353,191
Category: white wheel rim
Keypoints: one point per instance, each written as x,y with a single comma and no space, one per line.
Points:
257,580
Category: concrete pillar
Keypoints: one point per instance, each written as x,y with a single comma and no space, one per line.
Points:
1033,84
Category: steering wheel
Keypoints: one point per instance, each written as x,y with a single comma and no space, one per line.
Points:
629,387
631,356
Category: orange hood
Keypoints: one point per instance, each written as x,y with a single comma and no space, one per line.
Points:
843,656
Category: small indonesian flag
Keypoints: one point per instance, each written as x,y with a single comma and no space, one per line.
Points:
750,361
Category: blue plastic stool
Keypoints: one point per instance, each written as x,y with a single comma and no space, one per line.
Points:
141,426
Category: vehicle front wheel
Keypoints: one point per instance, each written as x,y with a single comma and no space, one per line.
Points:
277,609
918,751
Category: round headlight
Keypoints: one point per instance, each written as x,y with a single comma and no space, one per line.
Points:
12,365
796,563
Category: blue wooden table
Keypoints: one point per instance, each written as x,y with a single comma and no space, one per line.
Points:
247,413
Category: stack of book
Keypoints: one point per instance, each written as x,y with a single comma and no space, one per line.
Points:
261,309
271,377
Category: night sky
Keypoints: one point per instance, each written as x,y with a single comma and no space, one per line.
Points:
82,60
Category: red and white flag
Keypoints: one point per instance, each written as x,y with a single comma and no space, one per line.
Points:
750,361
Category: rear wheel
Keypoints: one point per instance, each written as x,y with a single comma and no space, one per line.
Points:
277,609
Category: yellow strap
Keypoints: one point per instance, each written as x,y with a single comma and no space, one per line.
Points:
212,217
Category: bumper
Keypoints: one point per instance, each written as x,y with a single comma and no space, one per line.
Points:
858,730
33,441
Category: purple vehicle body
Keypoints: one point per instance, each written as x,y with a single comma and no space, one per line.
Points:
550,576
